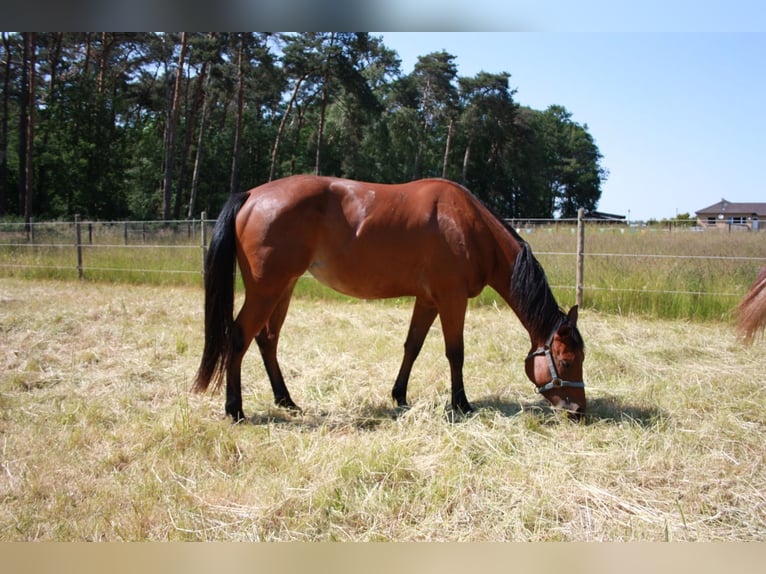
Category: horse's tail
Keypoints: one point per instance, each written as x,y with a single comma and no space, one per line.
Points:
751,311
219,297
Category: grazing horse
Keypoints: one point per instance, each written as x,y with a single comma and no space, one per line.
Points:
752,310
430,239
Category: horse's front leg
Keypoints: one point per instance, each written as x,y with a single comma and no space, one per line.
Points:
455,357
453,321
423,316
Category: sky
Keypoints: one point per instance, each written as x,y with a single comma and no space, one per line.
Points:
679,117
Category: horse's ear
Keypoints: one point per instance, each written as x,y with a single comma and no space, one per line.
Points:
572,316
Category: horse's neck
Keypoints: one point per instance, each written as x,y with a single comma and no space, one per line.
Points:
508,249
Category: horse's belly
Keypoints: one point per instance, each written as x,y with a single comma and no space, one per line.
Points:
362,281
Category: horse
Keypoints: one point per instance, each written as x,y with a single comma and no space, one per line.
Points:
751,311
430,239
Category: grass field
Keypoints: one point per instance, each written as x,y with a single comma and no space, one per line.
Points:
100,439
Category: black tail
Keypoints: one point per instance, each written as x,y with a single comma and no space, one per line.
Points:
219,297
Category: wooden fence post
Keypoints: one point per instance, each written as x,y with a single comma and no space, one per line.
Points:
580,256
78,244
203,235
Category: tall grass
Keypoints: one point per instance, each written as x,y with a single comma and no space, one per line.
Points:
137,252
654,272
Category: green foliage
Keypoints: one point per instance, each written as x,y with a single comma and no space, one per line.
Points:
331,103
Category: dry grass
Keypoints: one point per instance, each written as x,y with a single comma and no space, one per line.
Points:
100,440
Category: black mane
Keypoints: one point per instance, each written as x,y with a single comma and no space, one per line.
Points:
535,303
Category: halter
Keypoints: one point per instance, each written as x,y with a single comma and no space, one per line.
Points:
556,382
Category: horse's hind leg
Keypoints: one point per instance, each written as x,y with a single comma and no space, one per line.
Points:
234,375
268,339
257,317
423,316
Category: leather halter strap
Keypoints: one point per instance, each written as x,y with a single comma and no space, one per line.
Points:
556,381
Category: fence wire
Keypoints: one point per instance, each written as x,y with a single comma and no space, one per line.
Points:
46,246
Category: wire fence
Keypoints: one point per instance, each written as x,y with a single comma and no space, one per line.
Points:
603,263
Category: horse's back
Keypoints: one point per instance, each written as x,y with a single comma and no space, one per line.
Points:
365,239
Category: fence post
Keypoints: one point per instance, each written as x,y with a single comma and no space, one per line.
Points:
78,244
580,256
203,235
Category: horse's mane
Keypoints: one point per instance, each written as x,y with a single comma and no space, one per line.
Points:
752,309
535,304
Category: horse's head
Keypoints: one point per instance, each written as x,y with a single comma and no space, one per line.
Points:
556,366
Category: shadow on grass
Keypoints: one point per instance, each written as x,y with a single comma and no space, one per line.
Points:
613,409
365,418
609,409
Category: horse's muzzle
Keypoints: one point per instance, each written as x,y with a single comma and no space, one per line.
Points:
574,410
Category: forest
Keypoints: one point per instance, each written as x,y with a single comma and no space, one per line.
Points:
146,126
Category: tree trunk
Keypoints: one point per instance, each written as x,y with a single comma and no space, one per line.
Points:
296,139
4,128
23,120
447,147
320,131
281,129
103,63
466,158
198,155
171,133
234,183
54,57
197,102
30,128
416,169
86,62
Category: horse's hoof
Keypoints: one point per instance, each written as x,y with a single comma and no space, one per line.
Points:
288,404
464,409
238,417
460,410
401,410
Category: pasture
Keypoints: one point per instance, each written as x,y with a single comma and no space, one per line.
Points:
101,440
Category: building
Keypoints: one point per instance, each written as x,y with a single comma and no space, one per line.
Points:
728,214
602,216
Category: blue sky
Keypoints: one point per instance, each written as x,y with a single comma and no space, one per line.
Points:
680,117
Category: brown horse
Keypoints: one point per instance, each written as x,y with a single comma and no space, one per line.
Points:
751,311
431,239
